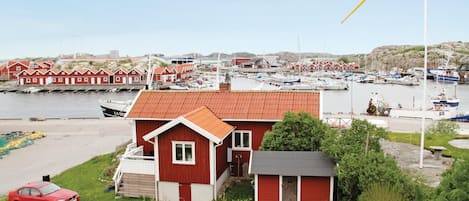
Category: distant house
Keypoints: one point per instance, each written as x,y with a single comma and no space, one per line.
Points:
239,61
43,65
14,67
185,144
292,175
3,73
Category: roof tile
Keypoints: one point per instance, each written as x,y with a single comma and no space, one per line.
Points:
242,105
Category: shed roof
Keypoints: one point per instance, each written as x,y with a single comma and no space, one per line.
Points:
291,163
227,105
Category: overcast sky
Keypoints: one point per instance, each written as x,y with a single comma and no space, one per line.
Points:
31,28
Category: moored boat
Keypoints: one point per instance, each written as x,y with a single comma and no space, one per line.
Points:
114,108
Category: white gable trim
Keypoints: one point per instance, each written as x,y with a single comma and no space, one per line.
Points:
187,123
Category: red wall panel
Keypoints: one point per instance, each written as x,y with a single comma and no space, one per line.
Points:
315,188
198,173
144,127
222,156
268,187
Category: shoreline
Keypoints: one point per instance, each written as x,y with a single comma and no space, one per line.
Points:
68,142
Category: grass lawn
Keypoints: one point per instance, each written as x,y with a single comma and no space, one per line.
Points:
432,140
91,178
240,191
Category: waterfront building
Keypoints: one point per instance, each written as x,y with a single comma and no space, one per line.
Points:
187,143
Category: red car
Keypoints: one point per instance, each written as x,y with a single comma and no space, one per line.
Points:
42,191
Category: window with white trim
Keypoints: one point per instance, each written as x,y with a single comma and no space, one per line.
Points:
242,140
118,79
183,152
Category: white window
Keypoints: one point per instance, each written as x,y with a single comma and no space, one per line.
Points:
28,80
242,140
18,68
104,78
79,79
183,152
118,78
86,79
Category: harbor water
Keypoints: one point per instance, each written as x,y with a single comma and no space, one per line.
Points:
85,105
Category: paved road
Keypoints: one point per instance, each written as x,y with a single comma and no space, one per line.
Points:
67,144
405,125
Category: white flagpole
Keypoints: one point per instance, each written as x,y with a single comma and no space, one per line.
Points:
422,136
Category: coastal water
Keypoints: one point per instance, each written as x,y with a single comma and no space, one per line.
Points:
86,105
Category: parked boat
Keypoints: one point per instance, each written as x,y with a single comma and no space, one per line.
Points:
442,100
114,108
31,90
177,87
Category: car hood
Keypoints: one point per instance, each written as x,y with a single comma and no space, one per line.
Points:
62,194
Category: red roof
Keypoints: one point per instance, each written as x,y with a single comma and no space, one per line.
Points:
24,63
231,105
201,120
205,119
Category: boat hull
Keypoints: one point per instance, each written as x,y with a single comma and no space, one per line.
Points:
109,112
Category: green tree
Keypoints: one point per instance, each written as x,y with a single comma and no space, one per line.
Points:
353,140
296,132
344,59
455,184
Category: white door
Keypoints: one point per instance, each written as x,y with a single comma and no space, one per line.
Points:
92,80
41,81
130,80
99,80
66,81
124,80
22,81
73,80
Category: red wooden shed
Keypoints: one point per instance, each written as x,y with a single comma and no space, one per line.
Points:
292,175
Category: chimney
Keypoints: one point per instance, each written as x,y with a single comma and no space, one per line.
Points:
225,86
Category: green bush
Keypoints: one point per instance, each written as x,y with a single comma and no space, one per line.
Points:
381,192
443,127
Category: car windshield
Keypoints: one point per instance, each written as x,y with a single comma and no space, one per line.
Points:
48,189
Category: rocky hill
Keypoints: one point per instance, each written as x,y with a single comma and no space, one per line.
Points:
407,56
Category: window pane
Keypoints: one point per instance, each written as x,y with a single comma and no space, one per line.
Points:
24,191
245,139
179,152
188,152
34,192
237,142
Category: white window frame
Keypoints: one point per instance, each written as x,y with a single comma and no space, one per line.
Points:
242,148
183,161
28,80
86,79
118,79
79,79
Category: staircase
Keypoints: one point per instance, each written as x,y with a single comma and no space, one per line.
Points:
137,185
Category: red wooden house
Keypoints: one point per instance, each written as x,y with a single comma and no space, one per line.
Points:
199,138
136,76
120,76
32,77
292,175
15,67
43,65
164,74
103,76
3,73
